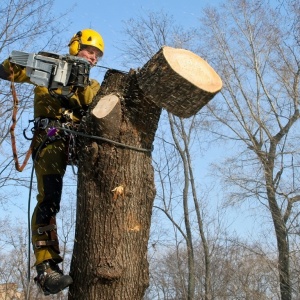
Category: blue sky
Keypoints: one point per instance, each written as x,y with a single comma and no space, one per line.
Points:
106,17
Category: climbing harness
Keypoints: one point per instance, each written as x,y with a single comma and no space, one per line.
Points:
55,130
67,131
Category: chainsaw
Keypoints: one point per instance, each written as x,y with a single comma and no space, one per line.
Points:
52,70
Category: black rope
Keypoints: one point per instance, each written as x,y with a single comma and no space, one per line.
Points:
112,69
105,140
29,235
29,216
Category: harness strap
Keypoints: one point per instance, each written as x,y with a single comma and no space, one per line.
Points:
44,229
39,244
50,238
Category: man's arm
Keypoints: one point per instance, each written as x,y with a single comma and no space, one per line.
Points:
10,71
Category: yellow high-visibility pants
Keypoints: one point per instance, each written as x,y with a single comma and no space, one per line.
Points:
50,166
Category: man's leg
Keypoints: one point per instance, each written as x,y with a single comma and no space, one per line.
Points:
44,230
50,166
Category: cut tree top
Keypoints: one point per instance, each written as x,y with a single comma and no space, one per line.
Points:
179,81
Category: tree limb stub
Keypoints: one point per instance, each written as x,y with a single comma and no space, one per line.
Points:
105,106
179,81
107,115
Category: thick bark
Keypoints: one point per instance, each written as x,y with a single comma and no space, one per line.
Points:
115,196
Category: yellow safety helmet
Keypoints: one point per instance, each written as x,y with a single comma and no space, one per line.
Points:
88,37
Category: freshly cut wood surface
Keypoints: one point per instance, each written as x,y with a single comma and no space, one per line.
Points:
105,106
107,115
179,81
193,68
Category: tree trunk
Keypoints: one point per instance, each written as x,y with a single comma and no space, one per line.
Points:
115,176
115,195
281,232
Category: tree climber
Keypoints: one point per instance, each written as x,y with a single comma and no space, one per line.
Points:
65,105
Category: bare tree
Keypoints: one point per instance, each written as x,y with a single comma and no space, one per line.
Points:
15,253
239,271
147,34
25,25
256,51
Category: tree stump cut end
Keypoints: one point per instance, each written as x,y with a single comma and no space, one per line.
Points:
107,116
179,81
105,106
193,68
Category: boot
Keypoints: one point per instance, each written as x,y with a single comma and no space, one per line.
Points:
51,279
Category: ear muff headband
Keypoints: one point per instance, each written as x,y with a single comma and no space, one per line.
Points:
74,45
